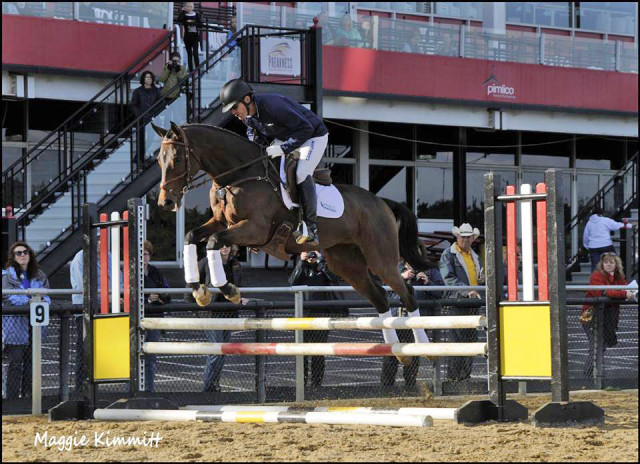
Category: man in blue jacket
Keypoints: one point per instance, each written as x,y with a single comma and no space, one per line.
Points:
293,127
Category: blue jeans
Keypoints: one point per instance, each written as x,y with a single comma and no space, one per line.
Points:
214,364
150,361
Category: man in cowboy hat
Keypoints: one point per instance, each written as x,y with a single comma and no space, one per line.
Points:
460,265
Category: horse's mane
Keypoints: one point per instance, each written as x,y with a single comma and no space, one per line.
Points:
239,138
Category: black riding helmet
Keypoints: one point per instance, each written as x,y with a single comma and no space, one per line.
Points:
232,92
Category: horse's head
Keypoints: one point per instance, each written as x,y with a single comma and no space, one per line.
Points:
178,166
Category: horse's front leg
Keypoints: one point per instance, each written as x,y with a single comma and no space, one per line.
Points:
201,294
243,233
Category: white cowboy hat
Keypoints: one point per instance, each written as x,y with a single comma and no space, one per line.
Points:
465,230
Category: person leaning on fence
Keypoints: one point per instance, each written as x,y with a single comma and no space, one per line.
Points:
609,271
312,270
412,45
21,272
172,73
327,31
153,278
412,278
460,266
232,269
143,98
191,24
596,237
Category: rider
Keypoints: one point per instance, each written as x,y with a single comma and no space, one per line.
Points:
279,117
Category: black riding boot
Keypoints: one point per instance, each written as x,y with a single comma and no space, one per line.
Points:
308,202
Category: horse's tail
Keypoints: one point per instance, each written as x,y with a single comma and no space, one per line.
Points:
410,246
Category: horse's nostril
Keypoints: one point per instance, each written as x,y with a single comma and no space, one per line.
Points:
168,203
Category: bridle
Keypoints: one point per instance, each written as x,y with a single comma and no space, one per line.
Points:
188,152
187,173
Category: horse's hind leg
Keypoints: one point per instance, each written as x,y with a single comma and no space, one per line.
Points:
348,262
383,264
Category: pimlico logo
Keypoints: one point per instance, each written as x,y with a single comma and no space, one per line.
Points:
496,88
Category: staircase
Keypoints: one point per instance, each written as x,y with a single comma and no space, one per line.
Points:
619,199
108,168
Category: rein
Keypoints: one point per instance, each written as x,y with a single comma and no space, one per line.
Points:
189,178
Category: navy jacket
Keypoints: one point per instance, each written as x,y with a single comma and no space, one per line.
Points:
279,117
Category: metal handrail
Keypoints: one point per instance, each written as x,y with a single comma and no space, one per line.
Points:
93,100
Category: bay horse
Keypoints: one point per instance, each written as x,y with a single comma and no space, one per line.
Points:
369,238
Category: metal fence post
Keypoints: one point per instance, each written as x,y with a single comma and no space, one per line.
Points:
541,48
299,338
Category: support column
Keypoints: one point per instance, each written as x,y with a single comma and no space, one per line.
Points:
460,178
361,152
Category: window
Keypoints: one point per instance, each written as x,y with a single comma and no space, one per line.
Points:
554,14
435,192
613,17
393,182
384,147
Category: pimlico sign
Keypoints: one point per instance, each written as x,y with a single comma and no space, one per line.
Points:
497,89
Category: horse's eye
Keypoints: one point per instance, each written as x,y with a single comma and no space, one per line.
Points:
178,159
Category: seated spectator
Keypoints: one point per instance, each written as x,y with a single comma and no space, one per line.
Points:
327,31
233,271
172,73
347,35
21,272
413,44
596,237
430,277
609,271
312,270
460,266
153,278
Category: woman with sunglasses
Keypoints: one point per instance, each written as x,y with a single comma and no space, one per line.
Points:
21,272
609,271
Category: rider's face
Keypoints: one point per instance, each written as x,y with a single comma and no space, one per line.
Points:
240,110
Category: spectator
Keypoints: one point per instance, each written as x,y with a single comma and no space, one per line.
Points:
172,73
143,98
86,11
312,270
444,46
21,272
76,276
609,271
413,44
327,32
459,266
596,237
191,22
347,35
153,278
518,266
25,9
367,33
233,271
390,363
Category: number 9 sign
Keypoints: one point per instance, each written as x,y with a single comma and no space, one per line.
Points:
39,312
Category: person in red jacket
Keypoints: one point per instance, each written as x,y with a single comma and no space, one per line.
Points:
609,271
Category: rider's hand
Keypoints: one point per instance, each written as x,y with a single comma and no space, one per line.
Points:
274,151
474,294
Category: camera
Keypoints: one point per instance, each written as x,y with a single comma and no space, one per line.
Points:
312,255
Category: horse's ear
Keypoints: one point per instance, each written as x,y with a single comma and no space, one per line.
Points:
176,129
159,130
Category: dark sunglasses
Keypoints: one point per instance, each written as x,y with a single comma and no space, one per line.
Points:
21,252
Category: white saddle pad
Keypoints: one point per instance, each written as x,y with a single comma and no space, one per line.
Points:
330,201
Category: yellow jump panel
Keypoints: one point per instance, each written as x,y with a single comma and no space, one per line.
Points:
525,341
111,347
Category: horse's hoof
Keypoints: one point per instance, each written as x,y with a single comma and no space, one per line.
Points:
231,293
404,360
202,296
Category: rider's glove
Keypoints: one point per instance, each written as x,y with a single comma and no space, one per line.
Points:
274,151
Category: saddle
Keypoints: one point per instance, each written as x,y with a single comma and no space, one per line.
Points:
276,245
320,176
